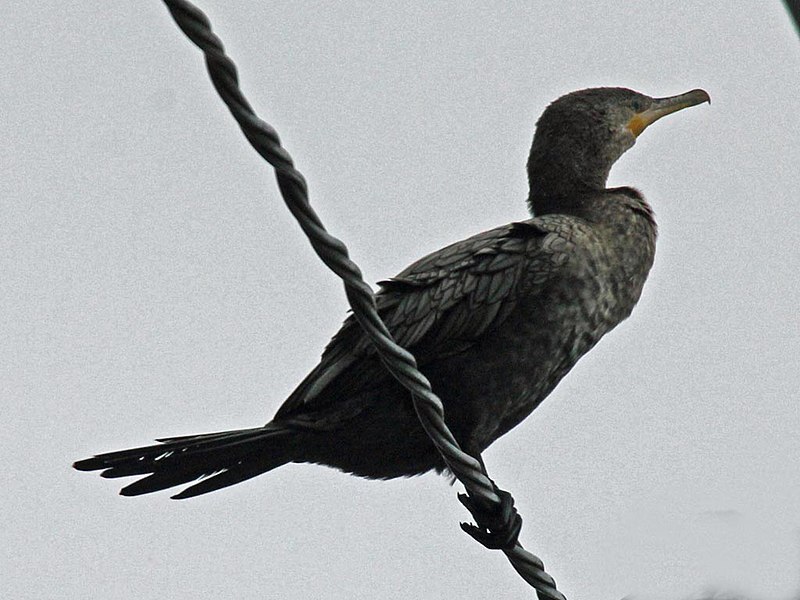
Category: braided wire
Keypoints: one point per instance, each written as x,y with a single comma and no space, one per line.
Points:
399,362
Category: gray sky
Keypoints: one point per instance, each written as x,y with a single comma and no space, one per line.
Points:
155,285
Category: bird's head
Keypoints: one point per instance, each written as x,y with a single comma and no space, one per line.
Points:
582,134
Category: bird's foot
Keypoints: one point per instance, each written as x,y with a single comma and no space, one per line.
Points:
498,526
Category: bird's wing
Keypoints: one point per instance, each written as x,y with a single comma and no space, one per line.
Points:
438,306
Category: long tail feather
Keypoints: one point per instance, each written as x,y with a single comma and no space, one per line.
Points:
223,458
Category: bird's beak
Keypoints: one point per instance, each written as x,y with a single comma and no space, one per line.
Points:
664,106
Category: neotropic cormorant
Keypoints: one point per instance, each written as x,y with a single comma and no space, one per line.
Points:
495,321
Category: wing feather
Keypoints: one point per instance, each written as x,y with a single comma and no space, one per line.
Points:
441,304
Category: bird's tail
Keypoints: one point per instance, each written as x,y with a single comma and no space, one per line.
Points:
220,459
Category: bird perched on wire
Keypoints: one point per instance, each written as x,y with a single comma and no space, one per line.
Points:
495,321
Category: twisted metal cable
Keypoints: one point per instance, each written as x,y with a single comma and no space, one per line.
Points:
400,363
793,6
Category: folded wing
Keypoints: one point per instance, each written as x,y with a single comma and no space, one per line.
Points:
438,306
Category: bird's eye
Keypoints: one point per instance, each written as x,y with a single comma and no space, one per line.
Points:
637,106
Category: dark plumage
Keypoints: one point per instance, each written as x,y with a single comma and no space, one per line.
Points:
495,321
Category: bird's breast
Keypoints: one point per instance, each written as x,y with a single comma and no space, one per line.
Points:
597,275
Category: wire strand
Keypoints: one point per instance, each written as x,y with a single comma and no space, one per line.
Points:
333,252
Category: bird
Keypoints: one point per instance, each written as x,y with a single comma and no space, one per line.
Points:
495,321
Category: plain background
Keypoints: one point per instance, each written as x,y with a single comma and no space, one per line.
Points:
153,284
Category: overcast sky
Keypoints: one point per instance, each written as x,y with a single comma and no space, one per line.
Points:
155,285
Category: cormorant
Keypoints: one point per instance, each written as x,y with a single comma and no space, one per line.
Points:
495,321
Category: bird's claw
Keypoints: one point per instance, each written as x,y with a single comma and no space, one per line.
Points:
498,526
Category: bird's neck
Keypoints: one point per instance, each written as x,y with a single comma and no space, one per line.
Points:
553,180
